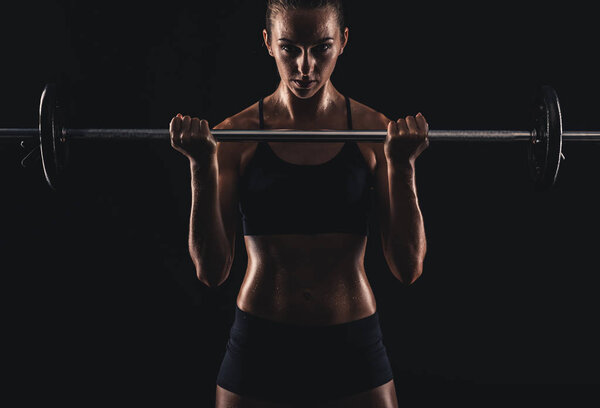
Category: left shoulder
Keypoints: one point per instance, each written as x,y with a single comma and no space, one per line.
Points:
366,118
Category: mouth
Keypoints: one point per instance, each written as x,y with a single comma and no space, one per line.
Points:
304,84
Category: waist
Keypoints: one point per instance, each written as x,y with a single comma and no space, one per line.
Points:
307,297
306,255
305,223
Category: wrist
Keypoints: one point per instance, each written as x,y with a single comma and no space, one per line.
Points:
401,166
202,166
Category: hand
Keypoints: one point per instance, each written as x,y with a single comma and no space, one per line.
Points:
192,137
406,139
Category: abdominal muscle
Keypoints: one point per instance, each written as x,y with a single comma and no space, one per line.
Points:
307,279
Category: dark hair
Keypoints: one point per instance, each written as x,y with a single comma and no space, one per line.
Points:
276,6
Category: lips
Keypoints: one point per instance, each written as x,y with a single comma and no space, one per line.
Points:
303,84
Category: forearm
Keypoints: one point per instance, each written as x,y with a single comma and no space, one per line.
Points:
207,238
405,244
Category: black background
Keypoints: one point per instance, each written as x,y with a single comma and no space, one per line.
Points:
100,302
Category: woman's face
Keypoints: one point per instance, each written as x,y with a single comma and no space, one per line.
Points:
306,45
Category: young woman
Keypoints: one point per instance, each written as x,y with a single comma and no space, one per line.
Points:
306,329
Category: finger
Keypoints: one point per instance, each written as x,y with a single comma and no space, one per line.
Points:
422,123
392,129
174,128
205,131
175,124
413,129
185,123
185,129
402,127
195,129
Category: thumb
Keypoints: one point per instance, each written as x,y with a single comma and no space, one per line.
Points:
392,128
204,128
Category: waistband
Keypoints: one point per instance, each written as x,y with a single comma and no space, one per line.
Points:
361,331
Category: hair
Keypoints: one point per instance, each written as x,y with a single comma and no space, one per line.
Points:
277,6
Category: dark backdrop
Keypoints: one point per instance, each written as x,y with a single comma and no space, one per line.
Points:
99,295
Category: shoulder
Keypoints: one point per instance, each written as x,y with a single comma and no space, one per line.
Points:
231,152
366,118
246,119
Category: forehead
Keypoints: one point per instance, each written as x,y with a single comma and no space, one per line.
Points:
305,26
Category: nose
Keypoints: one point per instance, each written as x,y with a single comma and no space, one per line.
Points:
306,63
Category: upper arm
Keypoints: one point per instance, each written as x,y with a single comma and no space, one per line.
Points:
228,161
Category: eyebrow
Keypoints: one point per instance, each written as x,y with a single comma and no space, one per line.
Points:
318,41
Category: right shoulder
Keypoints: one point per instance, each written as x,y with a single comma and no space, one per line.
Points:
246,119
229,154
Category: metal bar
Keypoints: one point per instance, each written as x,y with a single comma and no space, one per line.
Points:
17,134
302,135
583,136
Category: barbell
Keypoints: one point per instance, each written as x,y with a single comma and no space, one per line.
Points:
544,139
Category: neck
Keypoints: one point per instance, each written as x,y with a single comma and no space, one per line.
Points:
306,109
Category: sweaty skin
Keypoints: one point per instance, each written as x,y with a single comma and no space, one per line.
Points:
305,279
314,279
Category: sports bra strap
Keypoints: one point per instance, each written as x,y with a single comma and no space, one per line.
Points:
261,120
349,113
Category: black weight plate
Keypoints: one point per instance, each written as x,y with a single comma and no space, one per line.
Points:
53,146
545,154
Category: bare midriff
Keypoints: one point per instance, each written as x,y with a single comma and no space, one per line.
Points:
316,279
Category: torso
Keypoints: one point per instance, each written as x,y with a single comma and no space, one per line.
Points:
307,279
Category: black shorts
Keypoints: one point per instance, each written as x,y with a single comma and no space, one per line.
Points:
289,363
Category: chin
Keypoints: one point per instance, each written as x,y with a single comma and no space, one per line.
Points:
304,93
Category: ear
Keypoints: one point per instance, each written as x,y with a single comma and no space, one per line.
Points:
344,40
267,41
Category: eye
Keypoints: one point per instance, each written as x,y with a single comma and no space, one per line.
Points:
288,48
322,47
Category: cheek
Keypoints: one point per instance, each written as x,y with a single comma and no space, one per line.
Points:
285,68
284,62
326,63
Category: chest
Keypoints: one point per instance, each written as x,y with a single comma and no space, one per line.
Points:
306,154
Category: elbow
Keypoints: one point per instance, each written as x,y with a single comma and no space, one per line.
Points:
407,269
409,276
213,276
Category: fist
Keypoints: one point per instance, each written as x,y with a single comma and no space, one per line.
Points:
192,138
406,139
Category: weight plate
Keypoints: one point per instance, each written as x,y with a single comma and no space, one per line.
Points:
544,152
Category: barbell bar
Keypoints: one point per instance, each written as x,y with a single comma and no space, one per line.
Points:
237,135
544,148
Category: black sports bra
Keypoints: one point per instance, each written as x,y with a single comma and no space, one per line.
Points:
279,197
